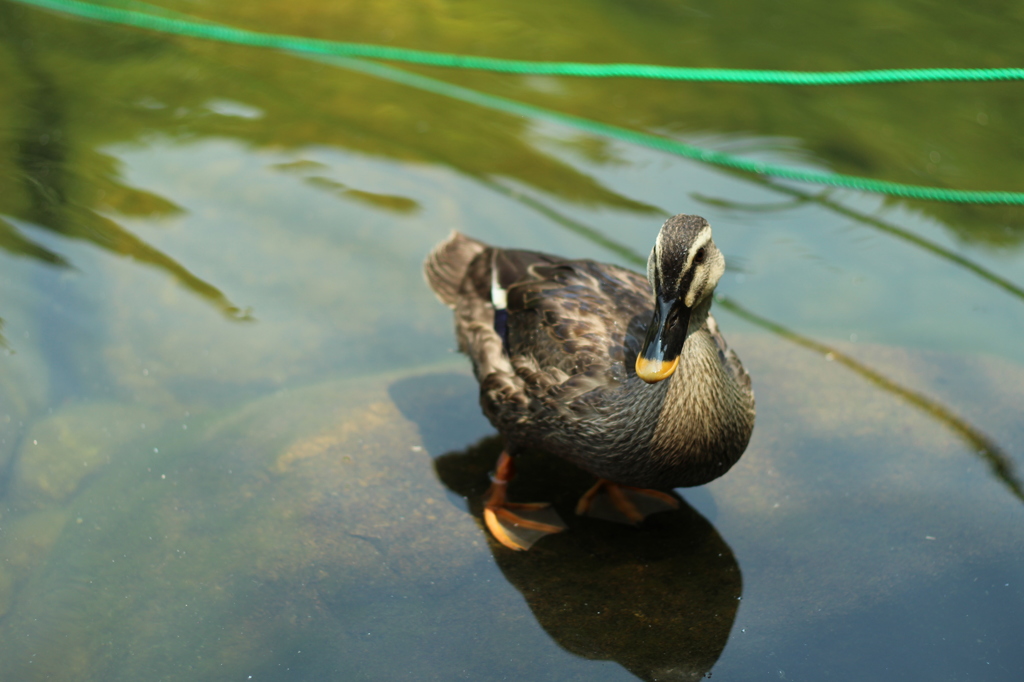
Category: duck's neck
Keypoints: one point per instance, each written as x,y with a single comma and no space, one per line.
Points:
705,409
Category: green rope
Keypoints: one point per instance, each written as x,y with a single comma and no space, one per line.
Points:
332,52
228,34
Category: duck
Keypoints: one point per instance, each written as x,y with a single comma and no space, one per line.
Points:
625,376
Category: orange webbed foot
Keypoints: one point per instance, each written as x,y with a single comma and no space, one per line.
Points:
623,503
517,525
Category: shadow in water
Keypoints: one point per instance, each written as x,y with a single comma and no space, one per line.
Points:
660,600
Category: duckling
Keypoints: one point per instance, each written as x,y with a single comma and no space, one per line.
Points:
626,377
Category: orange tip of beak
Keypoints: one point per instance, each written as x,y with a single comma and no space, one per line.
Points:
653,371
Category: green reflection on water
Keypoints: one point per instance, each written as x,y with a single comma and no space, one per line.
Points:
48,188
870,130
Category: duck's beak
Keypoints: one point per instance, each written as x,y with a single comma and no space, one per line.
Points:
666,334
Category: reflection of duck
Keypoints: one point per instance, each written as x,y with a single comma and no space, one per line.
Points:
660,601
571,356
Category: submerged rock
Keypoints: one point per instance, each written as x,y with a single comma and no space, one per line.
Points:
65,448
25,543
23,384
261,526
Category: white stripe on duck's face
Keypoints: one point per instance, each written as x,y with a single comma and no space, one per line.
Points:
685,264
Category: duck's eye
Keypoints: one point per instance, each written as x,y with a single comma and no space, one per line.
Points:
699,257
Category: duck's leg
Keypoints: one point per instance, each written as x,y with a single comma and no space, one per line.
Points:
623,503
517,525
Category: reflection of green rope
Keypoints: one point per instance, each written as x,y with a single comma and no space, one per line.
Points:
341,49
950,255
325,48
1001,464
667,145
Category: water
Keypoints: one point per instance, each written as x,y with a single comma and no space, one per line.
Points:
234,441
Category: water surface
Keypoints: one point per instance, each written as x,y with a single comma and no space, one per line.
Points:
235,441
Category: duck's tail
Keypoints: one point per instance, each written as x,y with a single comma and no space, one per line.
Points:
446,265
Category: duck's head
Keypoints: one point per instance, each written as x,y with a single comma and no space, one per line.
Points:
684,267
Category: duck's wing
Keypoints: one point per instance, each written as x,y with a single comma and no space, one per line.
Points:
481,309
576,321
542,330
